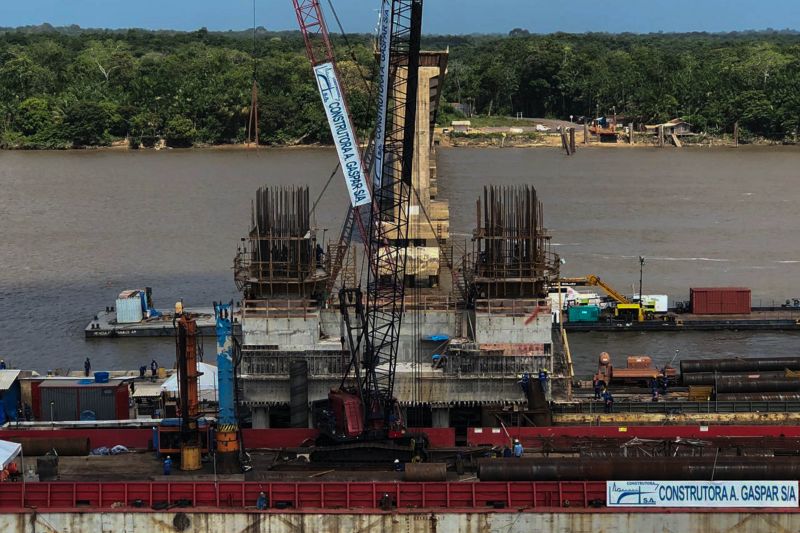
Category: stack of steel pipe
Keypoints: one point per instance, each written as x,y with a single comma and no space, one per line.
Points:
650,468
756,383
740,364
711,378
744,379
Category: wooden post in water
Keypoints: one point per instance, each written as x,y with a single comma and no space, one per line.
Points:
661,136
585,132
736,133
572,146
630,133
562,131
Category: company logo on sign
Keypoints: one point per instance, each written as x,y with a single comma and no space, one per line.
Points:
702,494
343,136
384,41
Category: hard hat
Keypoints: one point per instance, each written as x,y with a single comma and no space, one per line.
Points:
396,461
168,457
516,441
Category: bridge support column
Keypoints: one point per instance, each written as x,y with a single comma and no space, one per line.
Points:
440,416
260,417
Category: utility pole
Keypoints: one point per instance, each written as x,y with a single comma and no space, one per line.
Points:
641,273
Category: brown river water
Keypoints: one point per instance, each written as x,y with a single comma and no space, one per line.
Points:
78,227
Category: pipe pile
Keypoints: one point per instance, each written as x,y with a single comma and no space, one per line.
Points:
732,365
649,468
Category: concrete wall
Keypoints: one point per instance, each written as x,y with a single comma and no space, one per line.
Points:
284,332
237,522
430,323
501,329
304,333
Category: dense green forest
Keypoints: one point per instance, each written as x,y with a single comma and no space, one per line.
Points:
71,87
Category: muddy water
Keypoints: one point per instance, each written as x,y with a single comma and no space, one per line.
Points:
78,227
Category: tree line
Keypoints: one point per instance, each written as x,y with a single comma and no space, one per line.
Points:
72,88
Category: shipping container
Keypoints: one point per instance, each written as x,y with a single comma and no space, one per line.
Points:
720,301
583,313
69,399
129,307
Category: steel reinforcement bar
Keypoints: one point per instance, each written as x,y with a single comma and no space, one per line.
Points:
299,497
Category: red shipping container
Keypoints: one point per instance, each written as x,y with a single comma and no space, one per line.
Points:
720,301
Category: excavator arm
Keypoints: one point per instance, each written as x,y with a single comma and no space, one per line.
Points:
597,282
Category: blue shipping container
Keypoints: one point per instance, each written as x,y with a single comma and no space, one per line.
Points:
583,313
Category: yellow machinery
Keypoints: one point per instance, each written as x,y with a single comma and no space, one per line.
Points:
626,309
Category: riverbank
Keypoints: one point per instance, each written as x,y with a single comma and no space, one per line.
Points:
508,138
471,140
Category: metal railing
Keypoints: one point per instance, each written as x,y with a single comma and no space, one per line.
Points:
300,497
681,407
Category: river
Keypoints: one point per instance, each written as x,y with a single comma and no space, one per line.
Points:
81,226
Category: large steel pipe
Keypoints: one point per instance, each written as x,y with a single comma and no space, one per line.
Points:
298,393
651,468
759,397
427,472
710,378
757,384
739,364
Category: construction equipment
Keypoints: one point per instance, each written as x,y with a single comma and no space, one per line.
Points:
187,435
323,61
604,129
228,433
625,309
363,409
640,370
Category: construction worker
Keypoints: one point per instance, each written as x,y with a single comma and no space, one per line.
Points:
507,452
608,399
664,381
261,503
153,368
518,449
2,364
544,381
87,367
398,466
598,388
142,371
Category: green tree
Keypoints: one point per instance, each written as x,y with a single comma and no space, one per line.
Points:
179,132
86,124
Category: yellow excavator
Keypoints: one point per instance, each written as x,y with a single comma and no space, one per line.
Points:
626,309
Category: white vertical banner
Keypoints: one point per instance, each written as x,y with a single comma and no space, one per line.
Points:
384,47
708,494
343,133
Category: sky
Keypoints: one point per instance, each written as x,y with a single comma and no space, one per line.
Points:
441,16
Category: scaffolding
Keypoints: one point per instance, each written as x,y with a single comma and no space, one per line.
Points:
280,257
511,247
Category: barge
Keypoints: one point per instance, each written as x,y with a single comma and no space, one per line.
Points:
105,324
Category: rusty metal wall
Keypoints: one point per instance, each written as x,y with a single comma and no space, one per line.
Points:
280,522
